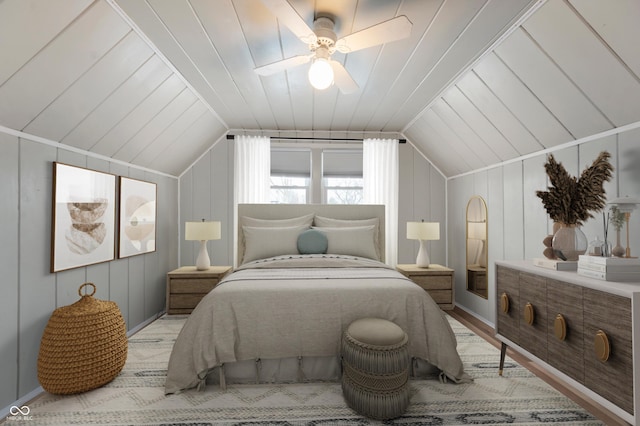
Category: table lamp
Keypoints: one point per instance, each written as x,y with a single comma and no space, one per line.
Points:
423,231
203,232
626,205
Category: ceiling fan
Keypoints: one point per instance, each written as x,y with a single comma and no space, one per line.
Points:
323,43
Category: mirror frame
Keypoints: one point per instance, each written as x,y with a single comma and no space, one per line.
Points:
476,222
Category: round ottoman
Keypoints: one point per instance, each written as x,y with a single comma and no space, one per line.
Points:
375,368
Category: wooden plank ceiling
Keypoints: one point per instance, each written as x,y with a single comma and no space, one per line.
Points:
156,82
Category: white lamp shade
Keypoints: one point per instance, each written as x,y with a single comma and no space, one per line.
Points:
201,231
423,230
625,204
477,230
321,74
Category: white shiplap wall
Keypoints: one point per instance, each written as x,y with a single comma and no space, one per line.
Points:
30,292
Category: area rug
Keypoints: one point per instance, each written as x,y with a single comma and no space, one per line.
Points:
136,396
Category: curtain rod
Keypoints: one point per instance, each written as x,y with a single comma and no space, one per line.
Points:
293,138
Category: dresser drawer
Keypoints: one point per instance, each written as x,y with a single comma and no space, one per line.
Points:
508,287
192,285
433,282
533,314
613,379
566,354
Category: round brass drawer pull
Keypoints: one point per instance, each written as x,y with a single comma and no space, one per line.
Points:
504,303
560,327
529,313
601,346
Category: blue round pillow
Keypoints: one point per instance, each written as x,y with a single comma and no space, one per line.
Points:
312,241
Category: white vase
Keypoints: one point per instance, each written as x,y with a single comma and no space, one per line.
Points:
618,250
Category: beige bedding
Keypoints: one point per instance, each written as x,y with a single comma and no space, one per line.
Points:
299,306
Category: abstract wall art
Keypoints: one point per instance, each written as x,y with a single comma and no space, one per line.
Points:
137,229
83,217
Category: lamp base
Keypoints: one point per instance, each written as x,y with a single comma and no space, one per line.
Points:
423,261
202,262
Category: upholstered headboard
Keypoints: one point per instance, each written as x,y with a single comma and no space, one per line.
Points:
287,211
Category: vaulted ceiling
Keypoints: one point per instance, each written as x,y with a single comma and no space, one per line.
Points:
156,82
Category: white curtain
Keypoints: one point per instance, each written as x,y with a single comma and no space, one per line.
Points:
380,176
252,176
252,169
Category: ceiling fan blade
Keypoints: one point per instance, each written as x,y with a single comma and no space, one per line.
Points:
384,32
286,14
343,79
285,64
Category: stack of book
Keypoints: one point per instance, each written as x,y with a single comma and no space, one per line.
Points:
556,265
610,268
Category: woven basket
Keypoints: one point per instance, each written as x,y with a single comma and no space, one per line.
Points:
84,346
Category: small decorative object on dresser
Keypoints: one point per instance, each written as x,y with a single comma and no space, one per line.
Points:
186,286
437,280
626,205
617,220
570,201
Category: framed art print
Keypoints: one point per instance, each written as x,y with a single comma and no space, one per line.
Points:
137,221
83,217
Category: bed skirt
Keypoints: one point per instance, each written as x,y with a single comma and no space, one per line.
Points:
295,370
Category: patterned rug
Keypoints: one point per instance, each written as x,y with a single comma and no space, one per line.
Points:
136,396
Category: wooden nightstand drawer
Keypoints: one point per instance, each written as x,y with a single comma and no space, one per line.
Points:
196,285
186,286
436,282
185,301
441,296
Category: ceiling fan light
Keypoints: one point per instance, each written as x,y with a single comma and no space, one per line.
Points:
321,74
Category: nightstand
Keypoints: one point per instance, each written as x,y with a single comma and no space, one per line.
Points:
186,286
437,280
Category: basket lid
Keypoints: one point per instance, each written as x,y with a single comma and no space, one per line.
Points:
87,305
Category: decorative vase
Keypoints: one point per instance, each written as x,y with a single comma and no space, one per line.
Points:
569,242
618,250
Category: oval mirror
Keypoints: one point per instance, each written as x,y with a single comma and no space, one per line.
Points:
477,246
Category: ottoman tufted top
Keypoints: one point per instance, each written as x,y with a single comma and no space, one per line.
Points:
376,331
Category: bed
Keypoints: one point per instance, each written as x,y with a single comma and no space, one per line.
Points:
305,273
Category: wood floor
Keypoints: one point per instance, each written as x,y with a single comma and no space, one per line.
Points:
583,400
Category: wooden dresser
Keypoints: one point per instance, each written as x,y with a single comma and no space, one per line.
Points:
579,328
437,280
186,286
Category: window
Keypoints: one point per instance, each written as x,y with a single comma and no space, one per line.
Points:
290,175
316,174
343,190
342,176
289,189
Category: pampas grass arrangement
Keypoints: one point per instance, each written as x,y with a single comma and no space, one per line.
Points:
570,200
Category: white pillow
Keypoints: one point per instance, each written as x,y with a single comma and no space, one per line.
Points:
329,222
268,223
265,242
278,223
354,241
